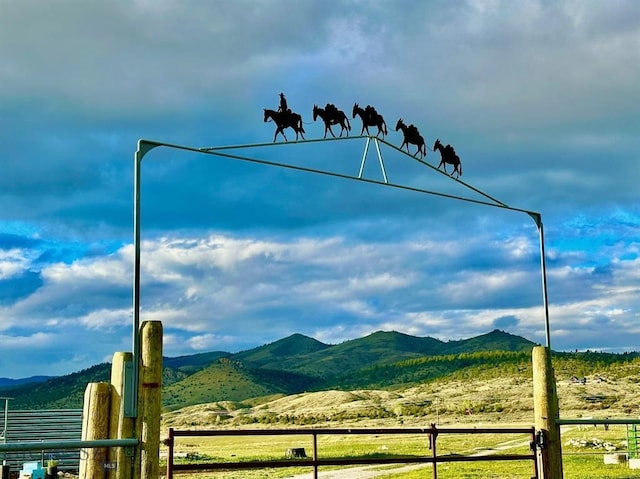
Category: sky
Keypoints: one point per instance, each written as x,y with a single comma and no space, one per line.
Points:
539,98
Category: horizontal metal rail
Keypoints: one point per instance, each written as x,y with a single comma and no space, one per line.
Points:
61,445
316,462
347,431
595,422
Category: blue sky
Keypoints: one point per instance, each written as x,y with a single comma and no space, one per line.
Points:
540,100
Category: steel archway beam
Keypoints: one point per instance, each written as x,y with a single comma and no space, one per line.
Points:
144,146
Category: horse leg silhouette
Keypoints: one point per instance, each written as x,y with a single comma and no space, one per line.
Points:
280,129
327,128
457,167
421,147
382,128
344,120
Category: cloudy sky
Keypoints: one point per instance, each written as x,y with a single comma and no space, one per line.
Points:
539,98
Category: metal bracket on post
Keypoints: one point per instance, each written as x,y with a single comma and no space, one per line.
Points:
129,385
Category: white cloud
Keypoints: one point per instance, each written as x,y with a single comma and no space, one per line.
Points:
538,98
13,262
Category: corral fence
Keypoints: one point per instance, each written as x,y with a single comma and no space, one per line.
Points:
632,438
40,435
40,426
431,435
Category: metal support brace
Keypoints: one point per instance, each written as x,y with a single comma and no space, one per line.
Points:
384,173
364,158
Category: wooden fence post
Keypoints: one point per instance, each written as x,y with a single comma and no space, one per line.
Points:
150,400
121,427
95,425
545,409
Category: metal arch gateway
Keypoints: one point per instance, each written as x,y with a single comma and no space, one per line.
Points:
144,146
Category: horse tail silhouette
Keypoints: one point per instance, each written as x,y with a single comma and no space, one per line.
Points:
384,123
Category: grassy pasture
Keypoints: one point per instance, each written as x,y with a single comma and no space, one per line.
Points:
481,396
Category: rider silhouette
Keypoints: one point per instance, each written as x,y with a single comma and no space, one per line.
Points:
283,104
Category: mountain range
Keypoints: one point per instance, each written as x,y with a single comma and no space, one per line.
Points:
290,365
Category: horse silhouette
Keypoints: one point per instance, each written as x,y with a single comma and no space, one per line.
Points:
370,117
448,155
411,135
285,119
331,116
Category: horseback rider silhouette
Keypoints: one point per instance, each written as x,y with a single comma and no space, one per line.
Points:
283,104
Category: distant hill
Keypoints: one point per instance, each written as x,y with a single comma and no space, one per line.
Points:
293,364
58,392
273,355
194,362
496,340
232,380
7,382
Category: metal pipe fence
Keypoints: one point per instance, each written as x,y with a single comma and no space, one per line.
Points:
432,433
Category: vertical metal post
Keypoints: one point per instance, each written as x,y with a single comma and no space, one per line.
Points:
315,455
433,435
534,451
131,395
4,431
170,454
131,406
6,419
537,218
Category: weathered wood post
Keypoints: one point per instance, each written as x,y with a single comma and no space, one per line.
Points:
121,427
149,400
95,425
546,412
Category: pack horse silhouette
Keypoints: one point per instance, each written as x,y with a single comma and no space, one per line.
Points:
448,155
411,135
331,116
370,117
